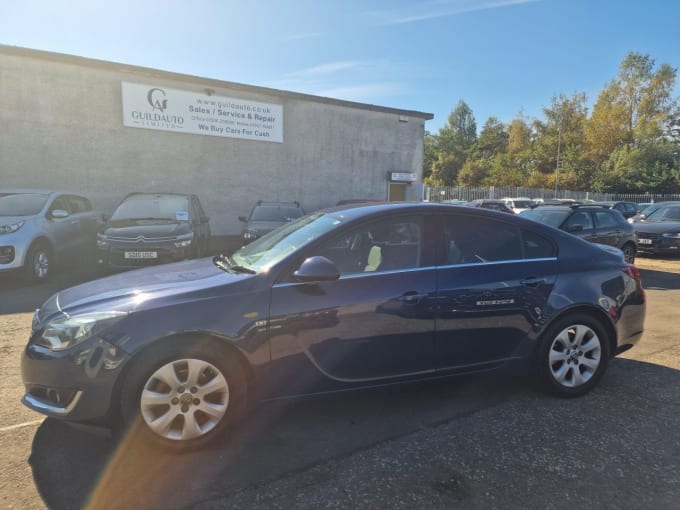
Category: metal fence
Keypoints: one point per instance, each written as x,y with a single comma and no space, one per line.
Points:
467,193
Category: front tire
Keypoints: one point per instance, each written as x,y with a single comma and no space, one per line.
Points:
629,252
38,263
574,355
183,396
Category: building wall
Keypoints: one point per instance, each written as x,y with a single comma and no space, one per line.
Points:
61,126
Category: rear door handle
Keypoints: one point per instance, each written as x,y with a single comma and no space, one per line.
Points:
532,281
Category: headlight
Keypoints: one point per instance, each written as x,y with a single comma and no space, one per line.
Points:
102,241
65,332
11,228
184,240
672,235
249,235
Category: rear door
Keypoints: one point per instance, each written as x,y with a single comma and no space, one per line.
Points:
494,281
609,225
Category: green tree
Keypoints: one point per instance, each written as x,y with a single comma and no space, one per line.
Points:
454,142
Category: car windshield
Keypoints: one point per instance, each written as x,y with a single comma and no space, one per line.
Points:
21,204
547,216
665,213
275,213
522,204
157,207
271,248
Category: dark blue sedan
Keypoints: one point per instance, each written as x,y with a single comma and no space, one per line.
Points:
341,299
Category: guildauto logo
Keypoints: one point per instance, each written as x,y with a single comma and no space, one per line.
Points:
156,98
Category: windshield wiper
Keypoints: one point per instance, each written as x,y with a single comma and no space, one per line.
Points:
226,263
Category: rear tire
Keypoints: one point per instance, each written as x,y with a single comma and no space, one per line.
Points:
182,395
573,356
38,263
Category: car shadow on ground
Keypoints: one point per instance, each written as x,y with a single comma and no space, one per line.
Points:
659,280
73,468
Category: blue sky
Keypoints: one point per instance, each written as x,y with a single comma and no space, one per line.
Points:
503,57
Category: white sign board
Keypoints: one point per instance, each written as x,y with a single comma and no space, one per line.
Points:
151,107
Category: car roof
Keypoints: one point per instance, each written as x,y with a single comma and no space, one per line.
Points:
287,204
158,193
39,190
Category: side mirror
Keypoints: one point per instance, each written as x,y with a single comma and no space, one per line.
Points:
243,219
317,269
58,214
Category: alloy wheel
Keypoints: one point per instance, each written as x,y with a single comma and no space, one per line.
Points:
575,355
184,399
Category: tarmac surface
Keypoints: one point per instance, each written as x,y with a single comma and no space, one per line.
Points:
476,442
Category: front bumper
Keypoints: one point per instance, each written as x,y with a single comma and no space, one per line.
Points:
658,244
76,384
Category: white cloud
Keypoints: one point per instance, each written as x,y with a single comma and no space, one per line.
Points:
328,68
440,9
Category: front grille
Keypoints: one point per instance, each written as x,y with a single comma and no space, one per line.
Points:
142,239
646,235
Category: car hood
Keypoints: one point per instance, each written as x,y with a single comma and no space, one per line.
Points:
8,220
148,230
657,227
131,289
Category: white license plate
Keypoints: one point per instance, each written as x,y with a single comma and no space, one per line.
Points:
644,241
141,254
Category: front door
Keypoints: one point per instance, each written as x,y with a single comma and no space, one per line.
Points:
375,323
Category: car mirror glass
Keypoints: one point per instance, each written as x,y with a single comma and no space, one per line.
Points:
316,269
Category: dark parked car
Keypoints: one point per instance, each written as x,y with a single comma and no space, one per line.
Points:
39,227
154,228
341,299
266,216
494,205
627,209
594,223
660,231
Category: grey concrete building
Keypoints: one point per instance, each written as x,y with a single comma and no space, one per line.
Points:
106,129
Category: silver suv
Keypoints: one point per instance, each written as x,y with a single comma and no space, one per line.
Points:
38,227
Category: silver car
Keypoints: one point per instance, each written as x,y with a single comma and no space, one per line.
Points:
39,227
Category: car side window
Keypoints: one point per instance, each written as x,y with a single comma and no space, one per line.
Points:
605,219
60,203
535,246
79,204
471,240
582,218
386,245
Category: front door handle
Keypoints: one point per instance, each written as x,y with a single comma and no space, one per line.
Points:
532,281
412,297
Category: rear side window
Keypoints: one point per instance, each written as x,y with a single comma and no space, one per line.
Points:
480,240
582,218
470,240
535,246
606,219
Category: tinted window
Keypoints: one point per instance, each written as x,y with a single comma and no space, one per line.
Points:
665,213
478,240
606,219
21,204
582,218
59,203
386,245
536,246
